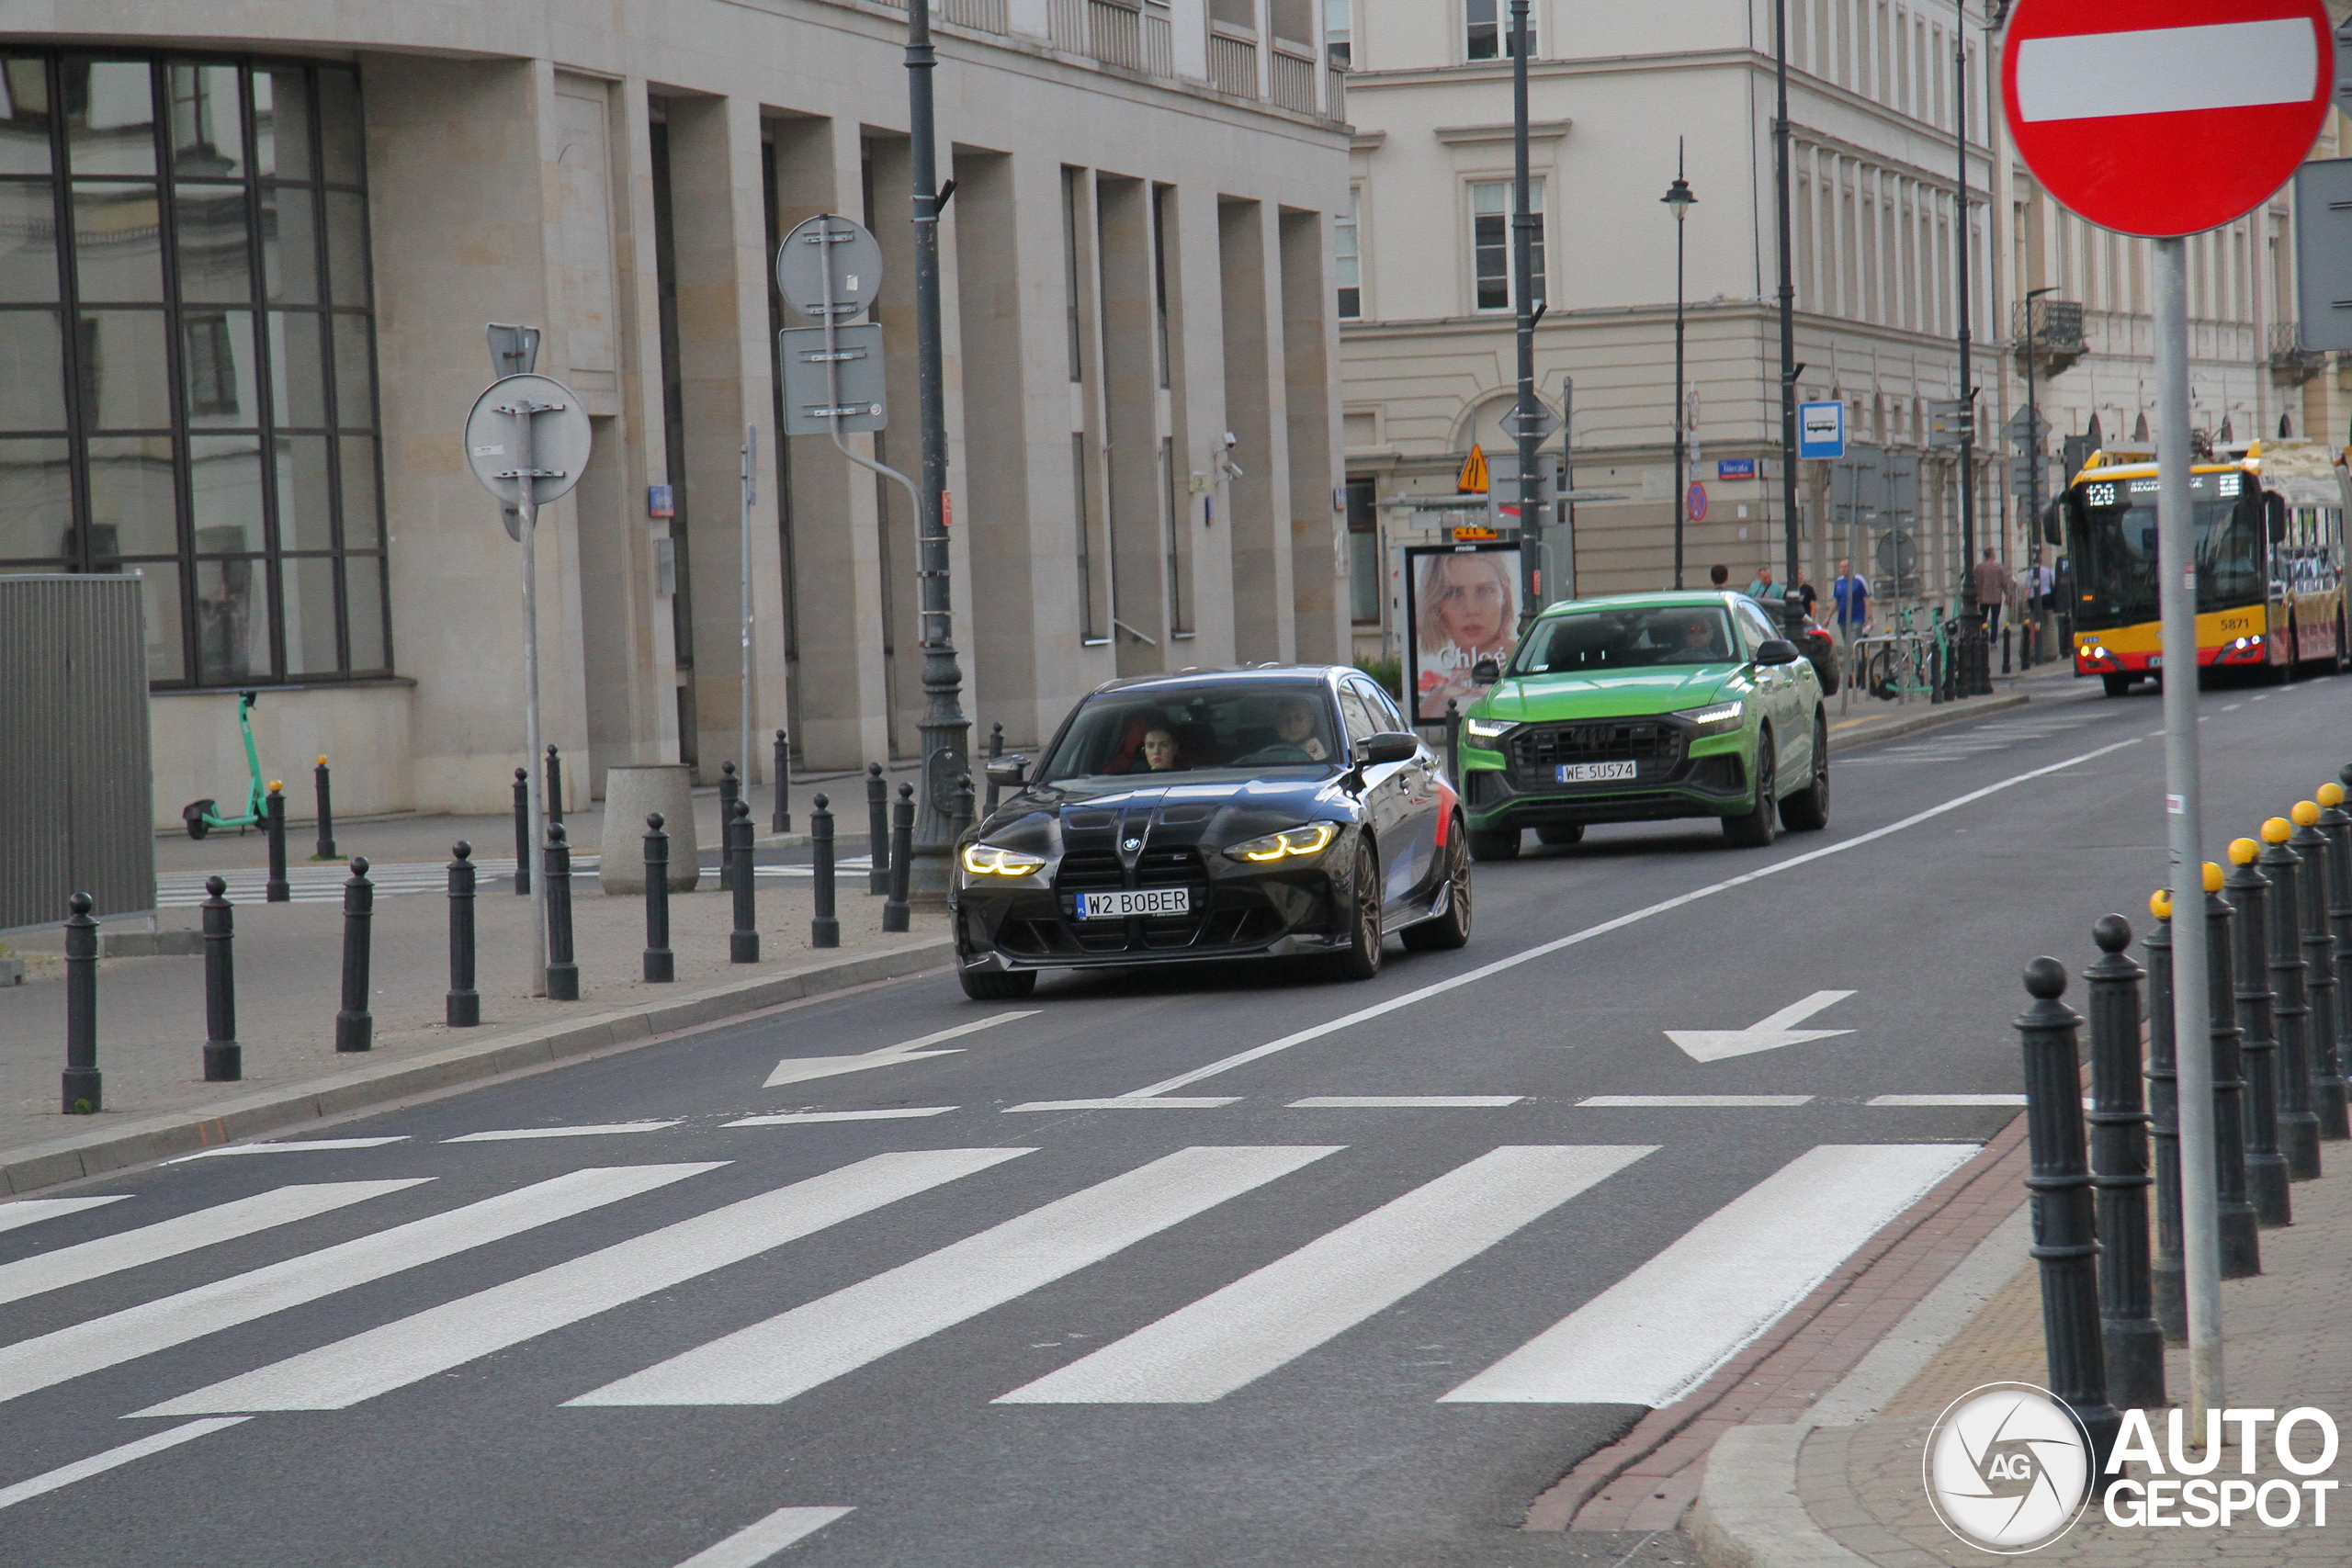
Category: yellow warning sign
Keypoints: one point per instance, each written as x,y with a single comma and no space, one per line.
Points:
1473,478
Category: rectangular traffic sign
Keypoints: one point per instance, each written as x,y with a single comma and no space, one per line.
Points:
1736,469
845,380
2323,253
1820,430
1950,422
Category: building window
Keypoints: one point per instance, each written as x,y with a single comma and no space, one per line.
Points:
1350,258
1490,205
1364,553
1337,30
1489,34
189,356
1085,557
1074,332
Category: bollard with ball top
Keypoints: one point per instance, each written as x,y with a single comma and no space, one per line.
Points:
2133,1340
730,788
2168,1283
902,834
522,833
661,964
2316,889
2234,1221
2290,1001
996,749
224,1060
554,784
277,890
83,1086
563,973
462,1006
744,942
2266,1166
2066,1232
824,927
2336,826
355,1026
781,820
878,831
325,794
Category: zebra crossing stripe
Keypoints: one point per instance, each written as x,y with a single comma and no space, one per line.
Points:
113,1459
1263,1320
336,1376
31,1210
1666,1327
795,1351
97,1343
755,1543
184,1233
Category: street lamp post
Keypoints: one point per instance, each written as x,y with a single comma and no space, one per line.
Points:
1790,368
2032,421
1677,198
1972,630
1525,414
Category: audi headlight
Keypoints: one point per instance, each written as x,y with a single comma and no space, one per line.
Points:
987,860
1290,842
1483,730
1718,718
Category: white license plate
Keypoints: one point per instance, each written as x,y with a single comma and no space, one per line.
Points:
2155,661
1597,772
1129,904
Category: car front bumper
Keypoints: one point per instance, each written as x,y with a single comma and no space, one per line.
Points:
1710,779
1031,924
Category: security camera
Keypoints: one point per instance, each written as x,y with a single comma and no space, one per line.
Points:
1231,441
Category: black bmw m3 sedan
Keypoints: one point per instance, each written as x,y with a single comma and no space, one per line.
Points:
1264,812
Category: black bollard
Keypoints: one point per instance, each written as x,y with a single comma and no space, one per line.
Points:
82,1087
878,831
2266,1168
355,1026
902,839
462,1008
563,975
2168,1269
1452,740
326,811
781,821
522,833
277,890
224,1061
2311,908
996,749
2289,1002
661,964
555,786
2065,1232
2005,632
2338,826
2133,1342
824,930
744,943
731,787
2233,1212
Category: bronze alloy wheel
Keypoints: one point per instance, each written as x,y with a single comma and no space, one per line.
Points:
1360,960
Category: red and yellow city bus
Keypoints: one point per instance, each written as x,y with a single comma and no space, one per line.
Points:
2270,592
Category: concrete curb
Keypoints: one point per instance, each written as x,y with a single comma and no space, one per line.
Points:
182,1132
1748,1514
1934,716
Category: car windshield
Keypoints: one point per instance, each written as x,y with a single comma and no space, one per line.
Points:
1222,724
1594,642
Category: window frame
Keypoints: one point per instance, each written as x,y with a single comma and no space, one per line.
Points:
1540,273
1496,15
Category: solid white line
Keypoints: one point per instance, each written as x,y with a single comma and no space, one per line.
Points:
1238,1334
754,1544
511,1134
2167,70
336,1376
1544,950
797,1118
795,1351
1666,1327
1404,1101
184,1233
1125,1102
98,1465
1689,1101
32,1211
305,1146
1946,1099
97,1343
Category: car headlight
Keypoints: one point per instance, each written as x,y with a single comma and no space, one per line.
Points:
1484,729
1300,842
1718,718
987,860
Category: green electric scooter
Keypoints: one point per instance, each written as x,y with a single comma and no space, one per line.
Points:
203,816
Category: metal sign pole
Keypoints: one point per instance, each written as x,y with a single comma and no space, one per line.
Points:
2176,577
751,490
528,505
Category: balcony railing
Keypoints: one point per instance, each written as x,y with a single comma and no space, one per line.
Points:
2290,361
1293,80
1335,94
1132,34
1233,65
983,16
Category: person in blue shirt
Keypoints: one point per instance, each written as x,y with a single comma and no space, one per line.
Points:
1852,593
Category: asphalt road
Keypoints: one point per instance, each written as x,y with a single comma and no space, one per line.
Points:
1209,1324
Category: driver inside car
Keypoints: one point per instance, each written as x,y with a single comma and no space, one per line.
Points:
1160,753
1294,727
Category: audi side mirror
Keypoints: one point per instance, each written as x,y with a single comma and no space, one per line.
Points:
1009,772
1776,651
1486,672
1388,746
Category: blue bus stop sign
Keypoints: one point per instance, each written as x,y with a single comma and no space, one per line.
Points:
1820,430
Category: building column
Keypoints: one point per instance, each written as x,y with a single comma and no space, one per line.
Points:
1136,563
1259,501
1310,345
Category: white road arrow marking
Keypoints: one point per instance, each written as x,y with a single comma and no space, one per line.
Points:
1765,1034
800,1070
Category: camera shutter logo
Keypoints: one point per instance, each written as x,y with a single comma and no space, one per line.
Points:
2008,1468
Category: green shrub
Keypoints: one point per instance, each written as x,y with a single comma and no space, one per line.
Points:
1389,673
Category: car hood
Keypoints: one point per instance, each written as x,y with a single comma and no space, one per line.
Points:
1629,693
1211,812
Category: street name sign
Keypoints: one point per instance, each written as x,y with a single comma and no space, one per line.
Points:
2168,128
1820,430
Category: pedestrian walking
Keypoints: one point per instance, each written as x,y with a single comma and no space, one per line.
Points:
1764,591
1806,591
1851,593
1719,576
1992,586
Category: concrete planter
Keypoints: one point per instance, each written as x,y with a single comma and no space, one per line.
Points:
629,794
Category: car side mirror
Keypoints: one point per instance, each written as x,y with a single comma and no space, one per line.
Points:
1009,772
1388,746
1486,672
1776,651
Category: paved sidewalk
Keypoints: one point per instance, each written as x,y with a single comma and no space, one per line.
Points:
1866,719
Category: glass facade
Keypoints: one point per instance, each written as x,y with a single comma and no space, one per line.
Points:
187,355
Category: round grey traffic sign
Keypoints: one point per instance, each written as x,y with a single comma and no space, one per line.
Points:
554,449
829,257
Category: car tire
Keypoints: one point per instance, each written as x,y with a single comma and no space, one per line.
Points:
997,984
1359,960
1493,843
1758,825
1560,833
2117,685
1451,929
1808,810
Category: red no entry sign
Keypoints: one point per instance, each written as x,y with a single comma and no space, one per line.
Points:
2167,117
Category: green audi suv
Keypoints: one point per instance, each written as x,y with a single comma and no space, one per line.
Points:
1642,707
